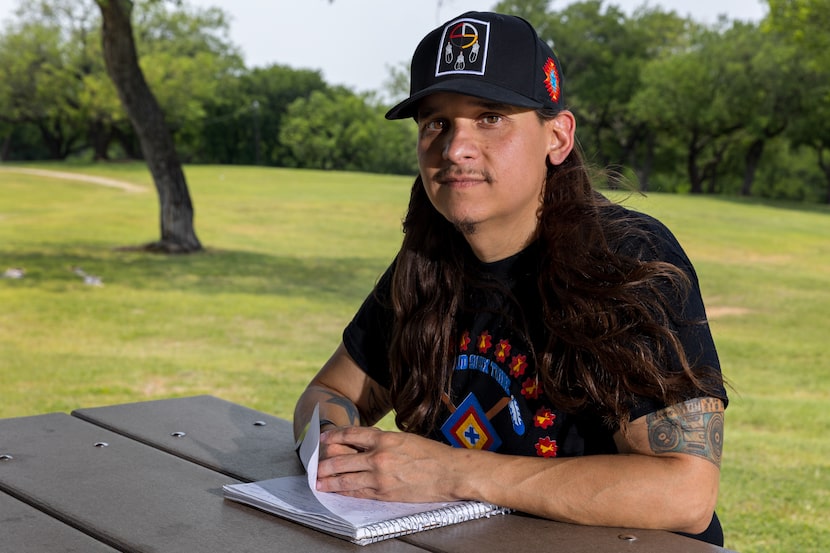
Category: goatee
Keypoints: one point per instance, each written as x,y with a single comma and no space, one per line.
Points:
466,227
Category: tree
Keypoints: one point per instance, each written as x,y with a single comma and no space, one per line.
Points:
689,96
339,130
803,24
35,88
603,52
274,89
53,48
188,61
177,232
601,60
766,78
245,115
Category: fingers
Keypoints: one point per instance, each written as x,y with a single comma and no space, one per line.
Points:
333,450
331,445
343,463
355,484
359,438
348,474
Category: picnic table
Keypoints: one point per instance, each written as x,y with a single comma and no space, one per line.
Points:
148,476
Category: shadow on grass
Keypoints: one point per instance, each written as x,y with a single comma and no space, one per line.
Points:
208,272
789,205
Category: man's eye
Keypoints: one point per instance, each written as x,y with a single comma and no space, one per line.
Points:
491,119
435,125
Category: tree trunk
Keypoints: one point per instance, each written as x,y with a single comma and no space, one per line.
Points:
7,144
99,137
695,176
128,143
752,159
177,232
52,139
710,172
646,165
826,168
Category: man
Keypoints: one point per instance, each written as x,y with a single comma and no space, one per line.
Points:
556,341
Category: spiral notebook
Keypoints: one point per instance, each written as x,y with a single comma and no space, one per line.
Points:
361,521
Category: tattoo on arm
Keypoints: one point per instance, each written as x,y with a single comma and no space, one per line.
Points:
346,405
694,427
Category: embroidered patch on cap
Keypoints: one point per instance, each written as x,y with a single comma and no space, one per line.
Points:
463,48
552,79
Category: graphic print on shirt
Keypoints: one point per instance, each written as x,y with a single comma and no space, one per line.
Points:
493,381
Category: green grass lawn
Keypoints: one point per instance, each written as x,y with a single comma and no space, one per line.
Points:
291,254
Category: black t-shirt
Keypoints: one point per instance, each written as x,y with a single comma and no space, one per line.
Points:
495,401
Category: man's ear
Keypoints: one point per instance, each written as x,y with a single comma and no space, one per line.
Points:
562,129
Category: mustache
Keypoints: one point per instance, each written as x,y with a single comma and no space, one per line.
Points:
461,173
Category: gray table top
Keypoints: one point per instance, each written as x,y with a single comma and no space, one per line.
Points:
147,477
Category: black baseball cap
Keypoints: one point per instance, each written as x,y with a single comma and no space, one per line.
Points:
488,55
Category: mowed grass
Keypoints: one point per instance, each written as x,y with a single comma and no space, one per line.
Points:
291,254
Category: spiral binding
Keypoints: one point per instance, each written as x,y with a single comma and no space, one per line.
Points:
451,514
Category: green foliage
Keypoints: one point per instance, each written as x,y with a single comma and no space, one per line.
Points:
53,75
273,89
243,118
339,130
804,21
789,174
601,56
32,71
689,97
60,95
803,24
188,59
686,106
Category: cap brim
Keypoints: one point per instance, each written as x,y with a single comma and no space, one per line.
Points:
469,87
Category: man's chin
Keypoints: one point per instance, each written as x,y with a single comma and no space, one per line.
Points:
466,227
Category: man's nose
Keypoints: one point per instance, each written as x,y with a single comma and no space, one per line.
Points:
460,144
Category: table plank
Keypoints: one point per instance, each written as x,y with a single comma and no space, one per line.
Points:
525,533
243,443
137,498
27,530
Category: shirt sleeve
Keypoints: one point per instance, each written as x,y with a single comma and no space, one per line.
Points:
692,326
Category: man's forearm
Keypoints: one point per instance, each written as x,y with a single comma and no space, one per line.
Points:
611,490
666,475
346,394
334,407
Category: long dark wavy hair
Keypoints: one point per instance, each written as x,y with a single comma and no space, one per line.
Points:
607,314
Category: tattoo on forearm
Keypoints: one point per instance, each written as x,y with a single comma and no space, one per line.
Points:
346,405
694,427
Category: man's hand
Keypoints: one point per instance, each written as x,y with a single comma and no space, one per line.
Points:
390,466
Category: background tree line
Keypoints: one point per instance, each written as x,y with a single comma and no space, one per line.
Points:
675,105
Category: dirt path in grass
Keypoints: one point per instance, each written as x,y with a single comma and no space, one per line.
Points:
717,312
91,179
